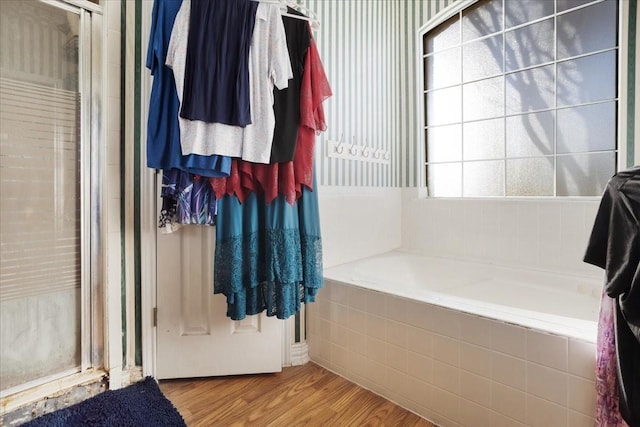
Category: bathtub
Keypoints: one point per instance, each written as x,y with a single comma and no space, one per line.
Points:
462,343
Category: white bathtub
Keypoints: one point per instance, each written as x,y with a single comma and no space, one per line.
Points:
561,304
462,343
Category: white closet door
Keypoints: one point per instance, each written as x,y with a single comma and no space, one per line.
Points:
194,336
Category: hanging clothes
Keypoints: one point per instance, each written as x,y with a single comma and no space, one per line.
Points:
197,136
216,80
315,90
163,133
614,245
286,102
607,407
268,257
186,199
267,180
288,178
269,66
268,254
271,180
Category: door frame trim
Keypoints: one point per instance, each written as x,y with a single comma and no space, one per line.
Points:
148,226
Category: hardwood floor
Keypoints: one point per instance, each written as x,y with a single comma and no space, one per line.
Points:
301,395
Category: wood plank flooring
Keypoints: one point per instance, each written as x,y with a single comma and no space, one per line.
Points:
302,395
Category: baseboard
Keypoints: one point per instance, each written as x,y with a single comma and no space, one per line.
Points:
299,353
131,375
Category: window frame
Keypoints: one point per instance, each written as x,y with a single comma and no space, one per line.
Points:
622,159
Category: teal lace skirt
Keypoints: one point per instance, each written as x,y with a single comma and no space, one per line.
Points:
268,257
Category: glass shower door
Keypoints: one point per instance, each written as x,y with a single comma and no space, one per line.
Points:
40,193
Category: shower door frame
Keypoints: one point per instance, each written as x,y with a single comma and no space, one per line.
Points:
95,339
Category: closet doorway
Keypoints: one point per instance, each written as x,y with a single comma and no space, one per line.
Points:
50,233
195,337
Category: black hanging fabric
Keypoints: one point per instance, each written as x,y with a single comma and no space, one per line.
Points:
286,102
614,245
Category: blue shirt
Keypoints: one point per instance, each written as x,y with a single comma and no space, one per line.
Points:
163,132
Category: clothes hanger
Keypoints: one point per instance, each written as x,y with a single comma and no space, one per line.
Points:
308,15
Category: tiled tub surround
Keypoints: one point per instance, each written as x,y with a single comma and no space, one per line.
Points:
453,360
537,233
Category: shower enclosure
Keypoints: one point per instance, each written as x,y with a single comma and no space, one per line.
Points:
50,266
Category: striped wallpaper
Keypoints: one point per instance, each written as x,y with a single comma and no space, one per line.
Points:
38,44
368,51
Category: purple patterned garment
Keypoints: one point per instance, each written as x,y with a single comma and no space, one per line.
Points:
607,411
186,199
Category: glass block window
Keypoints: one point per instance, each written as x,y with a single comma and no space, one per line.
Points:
520,99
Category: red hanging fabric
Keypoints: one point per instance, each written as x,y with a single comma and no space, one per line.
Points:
315,89
286,178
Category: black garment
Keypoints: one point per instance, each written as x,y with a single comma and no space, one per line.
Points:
614,245
216,79
286,102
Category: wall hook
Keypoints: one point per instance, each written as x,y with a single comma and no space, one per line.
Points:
353,150
365,149
360,150
340,147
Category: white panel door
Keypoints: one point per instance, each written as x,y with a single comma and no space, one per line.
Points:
195,338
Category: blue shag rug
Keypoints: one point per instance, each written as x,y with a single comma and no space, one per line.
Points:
140,404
